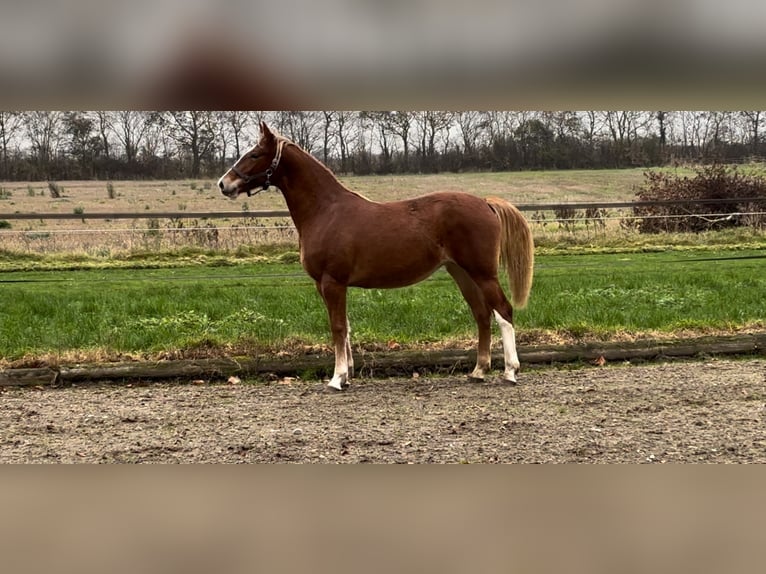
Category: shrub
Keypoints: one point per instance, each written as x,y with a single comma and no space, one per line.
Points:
567,217
153,228
712,182
55,189
110,192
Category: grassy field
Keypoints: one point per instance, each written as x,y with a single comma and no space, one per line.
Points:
101,289
116,237
272,307
203,195
106,239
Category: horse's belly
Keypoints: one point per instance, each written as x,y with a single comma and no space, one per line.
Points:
377,249
395,269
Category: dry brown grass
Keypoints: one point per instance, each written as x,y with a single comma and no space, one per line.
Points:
106,238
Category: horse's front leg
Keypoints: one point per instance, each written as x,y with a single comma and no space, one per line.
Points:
334,296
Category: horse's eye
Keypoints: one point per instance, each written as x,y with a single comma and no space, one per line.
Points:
255,155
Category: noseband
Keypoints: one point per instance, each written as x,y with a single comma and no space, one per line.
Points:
267,172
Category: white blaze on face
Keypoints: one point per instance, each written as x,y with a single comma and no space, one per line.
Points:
222,182
225,183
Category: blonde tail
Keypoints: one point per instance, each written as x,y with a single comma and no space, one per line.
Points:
517,249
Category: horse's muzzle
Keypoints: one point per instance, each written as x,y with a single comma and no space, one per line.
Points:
229,190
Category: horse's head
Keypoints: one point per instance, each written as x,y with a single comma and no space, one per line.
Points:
255,168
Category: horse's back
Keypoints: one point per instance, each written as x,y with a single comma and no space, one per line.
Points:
403,242
383,245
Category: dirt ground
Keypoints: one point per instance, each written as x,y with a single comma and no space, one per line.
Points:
711,412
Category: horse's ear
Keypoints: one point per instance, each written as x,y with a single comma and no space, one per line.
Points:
265,131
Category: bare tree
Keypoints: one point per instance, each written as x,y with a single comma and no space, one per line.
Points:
130,128
169,144
222,128
662,126
380,120
471,125
752,123
591,126
328,133
302,127
251,128
362,149
503,123
228,127
564,124
103,123
694,128
11,124
432,125
625,126
155,141
238,122
83,144
45,130
194,133
400,123
719,128
347,130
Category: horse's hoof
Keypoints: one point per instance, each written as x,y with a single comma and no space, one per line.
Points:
338,383
477,376
510,378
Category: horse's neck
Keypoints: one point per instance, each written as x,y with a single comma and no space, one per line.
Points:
308,187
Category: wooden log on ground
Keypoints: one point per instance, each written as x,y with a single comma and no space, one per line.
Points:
380,363
149,370
27,377
721,345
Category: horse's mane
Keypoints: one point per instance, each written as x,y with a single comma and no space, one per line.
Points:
287,141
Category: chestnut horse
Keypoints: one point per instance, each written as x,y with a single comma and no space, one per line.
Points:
347,240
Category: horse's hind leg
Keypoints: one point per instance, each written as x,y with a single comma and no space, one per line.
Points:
503,312
510,355
334,295
482,313
349,355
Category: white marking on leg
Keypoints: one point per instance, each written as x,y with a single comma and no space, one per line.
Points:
340,376
349,354
509,348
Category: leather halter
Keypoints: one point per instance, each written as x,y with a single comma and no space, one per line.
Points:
267,172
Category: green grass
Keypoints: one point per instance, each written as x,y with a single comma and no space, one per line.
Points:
591,283
269,306
641,292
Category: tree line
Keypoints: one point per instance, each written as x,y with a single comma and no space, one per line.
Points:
67,145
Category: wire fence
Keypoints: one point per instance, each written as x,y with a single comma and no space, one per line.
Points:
126,232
